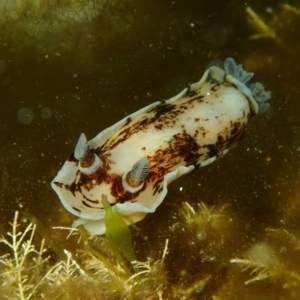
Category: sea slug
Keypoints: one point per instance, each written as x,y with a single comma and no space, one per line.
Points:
133,161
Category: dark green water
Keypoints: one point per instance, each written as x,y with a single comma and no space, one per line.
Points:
80,68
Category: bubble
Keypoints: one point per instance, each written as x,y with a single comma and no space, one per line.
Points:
46,113
25,115
201,235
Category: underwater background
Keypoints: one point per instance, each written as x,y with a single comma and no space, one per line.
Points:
73,66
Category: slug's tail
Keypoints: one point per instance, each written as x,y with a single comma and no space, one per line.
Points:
258,92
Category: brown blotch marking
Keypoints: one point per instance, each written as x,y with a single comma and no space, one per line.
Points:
143,122
73,187
123,136
181,148
99,150
162,109
156,189
128,120
217,148
159,126
127,132
203,131
226,139
75,208
185,146
87,160
198,99
190,94
92,201
220,139
72,159
235,127
59,184
162,115
215,87
213,150
120,194
88,181
85,204
160,166
194,96
158,182
157,185
101,176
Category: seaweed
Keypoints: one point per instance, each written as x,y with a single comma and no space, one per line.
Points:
118,234
25,268
265,262
30,271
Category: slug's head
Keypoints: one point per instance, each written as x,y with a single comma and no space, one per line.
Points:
86,177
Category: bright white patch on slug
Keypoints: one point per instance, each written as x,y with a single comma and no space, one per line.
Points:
158,144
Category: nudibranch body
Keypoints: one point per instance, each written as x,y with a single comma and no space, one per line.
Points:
133,161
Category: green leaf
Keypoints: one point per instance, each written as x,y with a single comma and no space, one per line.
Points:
117,231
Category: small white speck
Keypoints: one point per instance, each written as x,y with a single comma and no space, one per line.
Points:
181,189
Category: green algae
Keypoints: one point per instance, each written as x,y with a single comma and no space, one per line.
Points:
117,232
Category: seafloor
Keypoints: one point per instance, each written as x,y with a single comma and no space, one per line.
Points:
74,66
